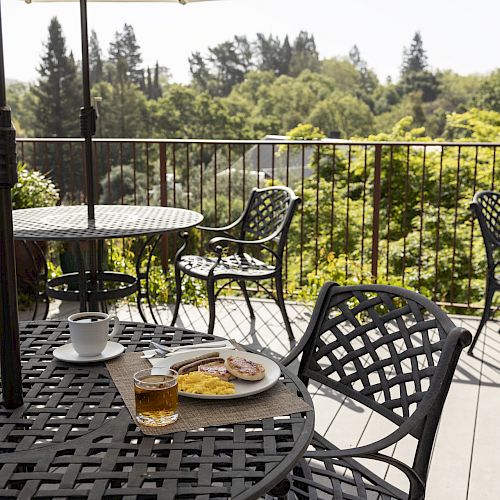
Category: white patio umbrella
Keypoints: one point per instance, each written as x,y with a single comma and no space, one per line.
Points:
10,358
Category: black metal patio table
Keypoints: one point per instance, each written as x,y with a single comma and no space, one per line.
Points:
74,438
70,224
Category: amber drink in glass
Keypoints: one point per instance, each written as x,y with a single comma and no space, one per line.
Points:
156,396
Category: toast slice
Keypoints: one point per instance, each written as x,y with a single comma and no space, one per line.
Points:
245,369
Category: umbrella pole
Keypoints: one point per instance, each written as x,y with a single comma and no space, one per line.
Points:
10,351
87,130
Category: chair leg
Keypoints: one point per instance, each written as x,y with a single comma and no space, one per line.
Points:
247,298
490,291
281,303
211,306
178,293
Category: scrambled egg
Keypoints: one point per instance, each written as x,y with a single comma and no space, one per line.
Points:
201,383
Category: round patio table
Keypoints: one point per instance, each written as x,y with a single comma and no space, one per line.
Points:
70,224
74,437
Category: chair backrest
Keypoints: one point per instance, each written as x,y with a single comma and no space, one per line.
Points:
486,207
380,345
269,211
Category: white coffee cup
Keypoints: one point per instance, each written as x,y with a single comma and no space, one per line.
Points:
89,332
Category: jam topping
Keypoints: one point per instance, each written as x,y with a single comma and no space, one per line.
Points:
245,365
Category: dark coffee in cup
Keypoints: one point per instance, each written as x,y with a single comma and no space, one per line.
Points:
89,332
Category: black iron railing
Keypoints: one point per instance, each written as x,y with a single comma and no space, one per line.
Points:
388,212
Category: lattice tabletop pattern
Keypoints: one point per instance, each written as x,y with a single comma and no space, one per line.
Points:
111,221
74,438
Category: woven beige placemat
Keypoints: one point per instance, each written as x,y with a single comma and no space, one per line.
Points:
197,413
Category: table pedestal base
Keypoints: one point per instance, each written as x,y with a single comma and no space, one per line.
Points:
92,291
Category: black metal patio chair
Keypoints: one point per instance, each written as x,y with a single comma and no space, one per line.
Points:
486,207
263,228
394,352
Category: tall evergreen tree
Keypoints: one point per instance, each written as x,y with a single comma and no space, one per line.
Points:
200,73
489,92
286,56
273,55
226,65
58,91
368,79
95,59
230,61
415,74
157,92
269,53
125,53
149,84
304,54
414,58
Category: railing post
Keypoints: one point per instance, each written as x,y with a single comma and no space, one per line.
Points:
376,210
163,201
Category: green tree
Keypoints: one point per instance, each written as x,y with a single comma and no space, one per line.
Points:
123,110
149,84
273,55
23,105
183,112
342,74
125,54
342,113
157,92
415,75
368,79
304,54
476,125
57,91
489,92
225,66
200,74
95,59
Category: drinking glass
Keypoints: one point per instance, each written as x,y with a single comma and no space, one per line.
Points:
156,396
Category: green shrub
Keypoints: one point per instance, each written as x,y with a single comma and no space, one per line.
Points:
33,189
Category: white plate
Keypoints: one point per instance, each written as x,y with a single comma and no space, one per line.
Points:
67,353
243,387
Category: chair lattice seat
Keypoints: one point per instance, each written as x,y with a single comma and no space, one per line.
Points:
319,478
233,266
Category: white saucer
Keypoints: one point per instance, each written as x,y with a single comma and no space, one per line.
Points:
67,353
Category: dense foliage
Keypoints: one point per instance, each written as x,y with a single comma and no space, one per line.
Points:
242,88
33,189
247,89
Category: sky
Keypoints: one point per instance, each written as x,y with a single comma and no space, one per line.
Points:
458,34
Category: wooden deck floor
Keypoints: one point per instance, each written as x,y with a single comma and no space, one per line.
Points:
466,458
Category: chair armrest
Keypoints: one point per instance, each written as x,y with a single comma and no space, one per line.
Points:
223,228
184,236
414,478
371,448
224,242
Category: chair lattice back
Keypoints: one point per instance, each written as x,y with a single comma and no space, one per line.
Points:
375,345
487,205
268,210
